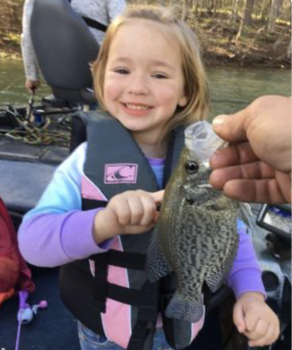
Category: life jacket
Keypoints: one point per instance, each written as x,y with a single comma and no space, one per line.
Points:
15,276
109,292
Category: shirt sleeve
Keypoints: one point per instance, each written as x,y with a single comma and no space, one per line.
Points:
245,275
56,231
28,54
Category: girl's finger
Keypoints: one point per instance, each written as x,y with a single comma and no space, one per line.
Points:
136,210
268,338
149,211
238,318
122,211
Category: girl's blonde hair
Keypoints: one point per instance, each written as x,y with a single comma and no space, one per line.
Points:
195,82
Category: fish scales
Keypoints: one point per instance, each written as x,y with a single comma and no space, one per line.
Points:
195,237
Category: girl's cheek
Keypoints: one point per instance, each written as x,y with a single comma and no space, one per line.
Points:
111,89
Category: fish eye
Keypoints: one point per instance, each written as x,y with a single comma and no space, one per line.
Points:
192,167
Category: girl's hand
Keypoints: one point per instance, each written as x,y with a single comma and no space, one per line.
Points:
130,212
256,320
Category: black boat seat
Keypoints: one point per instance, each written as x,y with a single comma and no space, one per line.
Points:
64,48
22,184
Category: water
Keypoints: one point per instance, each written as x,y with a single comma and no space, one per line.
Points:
12,79
231,89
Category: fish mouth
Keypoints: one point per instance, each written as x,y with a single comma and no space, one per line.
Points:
205,185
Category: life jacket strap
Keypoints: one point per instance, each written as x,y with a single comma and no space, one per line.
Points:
127,260
104,289
100,283
88,204
142,336
143,331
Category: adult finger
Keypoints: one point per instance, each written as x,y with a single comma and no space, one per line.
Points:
259,191
256,170
232,127
241,153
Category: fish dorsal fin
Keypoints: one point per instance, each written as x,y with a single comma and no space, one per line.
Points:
246,214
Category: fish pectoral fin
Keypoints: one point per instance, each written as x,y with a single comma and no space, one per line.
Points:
156,263
185,309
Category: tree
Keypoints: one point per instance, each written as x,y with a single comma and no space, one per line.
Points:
246,18
273,14
235,11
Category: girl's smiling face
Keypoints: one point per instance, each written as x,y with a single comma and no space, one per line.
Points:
143,82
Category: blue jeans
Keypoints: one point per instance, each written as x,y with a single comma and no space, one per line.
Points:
92,341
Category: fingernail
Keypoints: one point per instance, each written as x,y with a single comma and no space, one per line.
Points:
219,119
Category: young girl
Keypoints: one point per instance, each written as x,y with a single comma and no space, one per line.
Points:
95,216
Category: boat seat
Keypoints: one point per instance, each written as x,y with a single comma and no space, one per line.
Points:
22,184
64,47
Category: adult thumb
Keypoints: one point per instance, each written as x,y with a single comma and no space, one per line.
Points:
231,127
238,318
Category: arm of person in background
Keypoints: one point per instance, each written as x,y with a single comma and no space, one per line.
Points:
28,55
115,8
257,165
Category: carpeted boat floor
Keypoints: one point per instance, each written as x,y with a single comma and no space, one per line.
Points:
51,329
55,328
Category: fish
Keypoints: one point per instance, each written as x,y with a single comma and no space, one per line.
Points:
195,237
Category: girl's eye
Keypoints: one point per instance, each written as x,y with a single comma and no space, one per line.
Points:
159,76
121,71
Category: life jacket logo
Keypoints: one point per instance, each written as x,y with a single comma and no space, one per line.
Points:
125,173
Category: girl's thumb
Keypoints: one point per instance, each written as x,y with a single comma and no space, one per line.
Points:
158,196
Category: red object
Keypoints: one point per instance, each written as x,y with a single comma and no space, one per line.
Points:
14,273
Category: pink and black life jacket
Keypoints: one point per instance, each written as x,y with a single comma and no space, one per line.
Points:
109,292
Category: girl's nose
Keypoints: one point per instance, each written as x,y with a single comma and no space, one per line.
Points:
138,85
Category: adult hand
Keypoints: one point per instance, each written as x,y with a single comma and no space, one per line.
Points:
257,165
31,85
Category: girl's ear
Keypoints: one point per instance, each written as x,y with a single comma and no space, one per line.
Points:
182,101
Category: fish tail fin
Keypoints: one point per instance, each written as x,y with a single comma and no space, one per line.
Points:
187,310
156,263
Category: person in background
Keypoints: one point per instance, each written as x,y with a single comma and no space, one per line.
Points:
150,78
257,165
102,11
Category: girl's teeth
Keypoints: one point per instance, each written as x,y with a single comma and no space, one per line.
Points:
137,107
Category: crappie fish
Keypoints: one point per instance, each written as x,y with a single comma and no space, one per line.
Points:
195,237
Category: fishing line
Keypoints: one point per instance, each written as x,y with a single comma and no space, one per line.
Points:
26,313
31,134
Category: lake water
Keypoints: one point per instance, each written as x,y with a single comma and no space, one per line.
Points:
230,88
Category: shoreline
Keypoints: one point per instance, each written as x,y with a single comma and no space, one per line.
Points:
210,59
